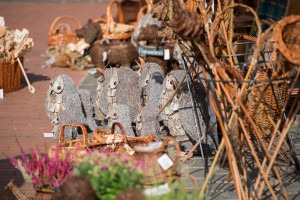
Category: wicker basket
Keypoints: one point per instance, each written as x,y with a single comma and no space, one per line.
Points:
43,194
75,148
114,142
10,76
113,30
61,33
265,102
149,154
16,191
286,37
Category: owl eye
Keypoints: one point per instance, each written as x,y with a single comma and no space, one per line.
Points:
58,87
101,78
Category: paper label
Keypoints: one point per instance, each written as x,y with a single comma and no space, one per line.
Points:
1,94
150,51
48,135
157,191
2,22
104,58
166,54
165,162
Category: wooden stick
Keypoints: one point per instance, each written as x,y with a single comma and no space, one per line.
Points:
285,131
277,128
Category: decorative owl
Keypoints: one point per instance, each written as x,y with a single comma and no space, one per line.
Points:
121,113
118,86
179,115
150,87
64,105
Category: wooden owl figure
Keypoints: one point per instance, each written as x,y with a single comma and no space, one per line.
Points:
150,87
118,86
121,113
64,105
178,116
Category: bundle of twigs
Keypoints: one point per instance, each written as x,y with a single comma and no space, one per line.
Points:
230,92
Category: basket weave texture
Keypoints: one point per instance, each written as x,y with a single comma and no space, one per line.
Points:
113,30
265,103
10,76
62,32
155,174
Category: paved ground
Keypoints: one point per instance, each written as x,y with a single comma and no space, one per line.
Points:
22,114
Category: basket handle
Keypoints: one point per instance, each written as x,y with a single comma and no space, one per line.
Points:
177,149
113,128
109,15
85,138
63,25
77,22
112,132
291,56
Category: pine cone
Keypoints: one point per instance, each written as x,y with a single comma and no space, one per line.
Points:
187,24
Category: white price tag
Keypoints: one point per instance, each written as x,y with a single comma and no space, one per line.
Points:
166,54
48,135
158,190
1,94
165,162
2,22
104,56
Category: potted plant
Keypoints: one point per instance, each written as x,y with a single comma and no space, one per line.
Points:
45,172
111,173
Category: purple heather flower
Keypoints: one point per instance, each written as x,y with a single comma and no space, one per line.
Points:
96,160
104,166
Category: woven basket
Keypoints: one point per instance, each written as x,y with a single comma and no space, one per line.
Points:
114,142
10,76
265,102
113,30
61,33
16,191
43,194
286,36
75,148
155,174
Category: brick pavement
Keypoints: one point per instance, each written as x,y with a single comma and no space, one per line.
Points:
22,114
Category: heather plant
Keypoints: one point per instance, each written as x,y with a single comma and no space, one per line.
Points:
42,170
111,173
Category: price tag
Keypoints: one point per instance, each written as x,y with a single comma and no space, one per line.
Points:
1,94
158,190
104,58
2,22
165,162
48,135
166,54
